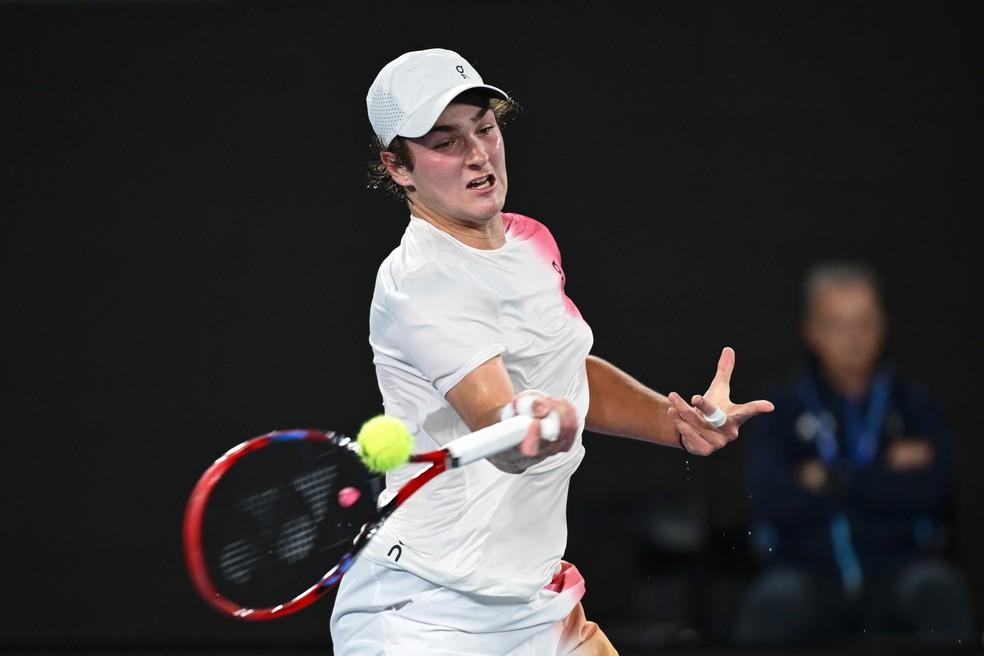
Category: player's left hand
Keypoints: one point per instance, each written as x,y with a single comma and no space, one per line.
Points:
699,436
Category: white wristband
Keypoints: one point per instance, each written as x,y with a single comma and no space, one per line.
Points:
716,418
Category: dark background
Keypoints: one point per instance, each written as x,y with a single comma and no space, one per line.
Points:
189,249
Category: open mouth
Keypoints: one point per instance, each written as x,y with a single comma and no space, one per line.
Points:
482,183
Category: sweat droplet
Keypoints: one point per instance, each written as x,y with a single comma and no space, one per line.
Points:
348,496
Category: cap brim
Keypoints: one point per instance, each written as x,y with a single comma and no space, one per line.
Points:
422,120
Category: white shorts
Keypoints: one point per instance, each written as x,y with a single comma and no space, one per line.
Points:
381,611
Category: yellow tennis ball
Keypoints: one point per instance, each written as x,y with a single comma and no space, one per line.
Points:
384,443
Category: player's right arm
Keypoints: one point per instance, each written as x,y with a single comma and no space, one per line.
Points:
479,399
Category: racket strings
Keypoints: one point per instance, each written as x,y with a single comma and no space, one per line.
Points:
284,519
316,487
268,524
238,561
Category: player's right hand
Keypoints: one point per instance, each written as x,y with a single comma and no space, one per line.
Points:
534,444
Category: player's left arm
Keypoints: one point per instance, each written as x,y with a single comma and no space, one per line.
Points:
621,405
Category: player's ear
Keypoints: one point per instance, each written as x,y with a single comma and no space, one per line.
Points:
395,167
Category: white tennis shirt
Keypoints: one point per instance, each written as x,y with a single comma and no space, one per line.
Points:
439,309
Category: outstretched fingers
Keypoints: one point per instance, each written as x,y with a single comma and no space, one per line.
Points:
745,411
681,411
715,415
692,441
725,367
713,420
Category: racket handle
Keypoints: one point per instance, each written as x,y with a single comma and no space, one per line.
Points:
489,441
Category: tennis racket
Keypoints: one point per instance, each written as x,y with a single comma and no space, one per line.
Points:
275,522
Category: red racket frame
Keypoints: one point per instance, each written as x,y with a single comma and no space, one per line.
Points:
195,512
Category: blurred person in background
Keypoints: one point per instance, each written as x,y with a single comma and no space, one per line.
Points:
851,484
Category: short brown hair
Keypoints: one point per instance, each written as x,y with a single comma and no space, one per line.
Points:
379,177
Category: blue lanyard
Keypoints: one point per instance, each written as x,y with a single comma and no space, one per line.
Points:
862,430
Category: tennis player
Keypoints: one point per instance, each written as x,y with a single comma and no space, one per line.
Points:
469,318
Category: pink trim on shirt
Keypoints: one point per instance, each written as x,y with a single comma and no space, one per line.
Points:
524,228
568,580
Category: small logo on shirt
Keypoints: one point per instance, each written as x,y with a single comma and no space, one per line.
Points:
398,549
563,278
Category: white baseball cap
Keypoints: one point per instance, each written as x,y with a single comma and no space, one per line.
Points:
410,92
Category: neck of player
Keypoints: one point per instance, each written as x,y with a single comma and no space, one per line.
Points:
484,234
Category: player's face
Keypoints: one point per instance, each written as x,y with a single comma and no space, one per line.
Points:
459,170
846,328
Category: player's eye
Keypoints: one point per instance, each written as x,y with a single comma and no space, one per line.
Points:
444,145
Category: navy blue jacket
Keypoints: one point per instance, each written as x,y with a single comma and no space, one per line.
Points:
869,520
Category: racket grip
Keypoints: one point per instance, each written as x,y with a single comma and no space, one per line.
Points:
489,441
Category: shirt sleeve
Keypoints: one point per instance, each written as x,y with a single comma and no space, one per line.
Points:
444,322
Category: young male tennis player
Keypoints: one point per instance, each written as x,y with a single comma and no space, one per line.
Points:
469,313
